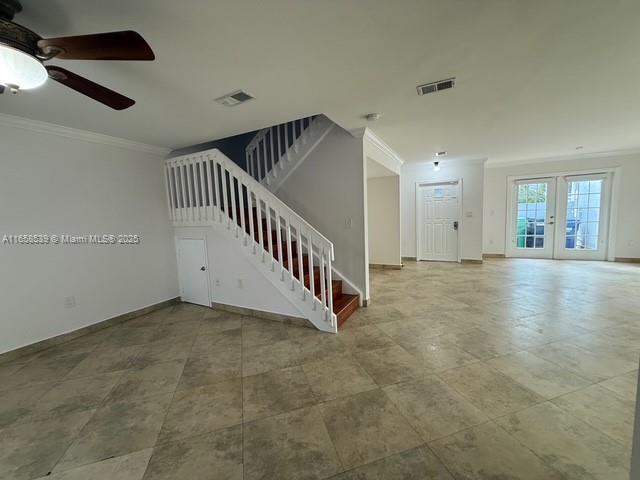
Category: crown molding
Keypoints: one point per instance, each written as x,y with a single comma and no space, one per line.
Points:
560,158
76,134
382,145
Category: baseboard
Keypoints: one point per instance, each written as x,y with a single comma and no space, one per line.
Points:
627,259
408,259
493,255
66,337
471,261
385,266
274,317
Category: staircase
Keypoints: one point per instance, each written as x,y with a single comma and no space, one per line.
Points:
208,189
275,152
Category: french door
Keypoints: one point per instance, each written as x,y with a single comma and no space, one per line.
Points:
533,218
560,217
584,216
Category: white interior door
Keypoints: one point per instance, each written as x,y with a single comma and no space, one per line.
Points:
533,218
192,271
583,211
438,221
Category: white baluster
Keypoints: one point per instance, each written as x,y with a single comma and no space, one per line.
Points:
329,287
251,217
203,195
183,169
311,279
286,141
290,253
234,201
279,240
167,181
273,158
280,163
242,212
259,212
210,184
259,162
191,182
323,285
265,159
297,135
225,188
300,258
270,236
216,181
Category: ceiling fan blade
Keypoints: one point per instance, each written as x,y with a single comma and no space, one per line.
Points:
89,88
127,45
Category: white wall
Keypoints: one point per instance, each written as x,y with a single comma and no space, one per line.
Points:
53,184
627,233
228,268
328,191
383,211
471,173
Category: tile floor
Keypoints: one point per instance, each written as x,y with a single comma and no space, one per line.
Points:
513,369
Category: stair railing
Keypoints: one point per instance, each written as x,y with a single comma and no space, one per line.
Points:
207,187
272,146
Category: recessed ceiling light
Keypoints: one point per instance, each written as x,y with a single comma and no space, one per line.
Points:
579,147
441,154
372,117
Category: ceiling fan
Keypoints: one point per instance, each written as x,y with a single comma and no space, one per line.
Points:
23,53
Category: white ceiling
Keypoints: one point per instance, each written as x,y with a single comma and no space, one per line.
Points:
534,78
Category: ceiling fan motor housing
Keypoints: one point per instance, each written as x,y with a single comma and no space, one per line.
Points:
19,37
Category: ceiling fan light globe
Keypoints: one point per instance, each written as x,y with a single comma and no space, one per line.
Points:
20,69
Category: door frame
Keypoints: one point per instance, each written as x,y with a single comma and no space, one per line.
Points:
177,239
418,207
614,198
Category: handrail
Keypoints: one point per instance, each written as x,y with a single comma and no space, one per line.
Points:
207,187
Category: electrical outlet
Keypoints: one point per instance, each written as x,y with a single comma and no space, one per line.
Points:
240,283
490,241
349,222
468,214
218,282
630,243
70,302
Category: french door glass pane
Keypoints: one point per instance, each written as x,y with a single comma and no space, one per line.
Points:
583,214
531,215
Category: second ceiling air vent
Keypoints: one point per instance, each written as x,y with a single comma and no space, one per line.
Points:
436,86
234,98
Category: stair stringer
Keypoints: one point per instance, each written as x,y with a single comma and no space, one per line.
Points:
290,288
298,152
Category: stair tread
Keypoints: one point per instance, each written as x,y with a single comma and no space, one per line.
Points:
344,306
343,301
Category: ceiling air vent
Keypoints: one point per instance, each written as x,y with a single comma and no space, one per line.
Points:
436,86
234,98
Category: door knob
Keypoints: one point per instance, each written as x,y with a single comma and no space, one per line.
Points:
202,269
